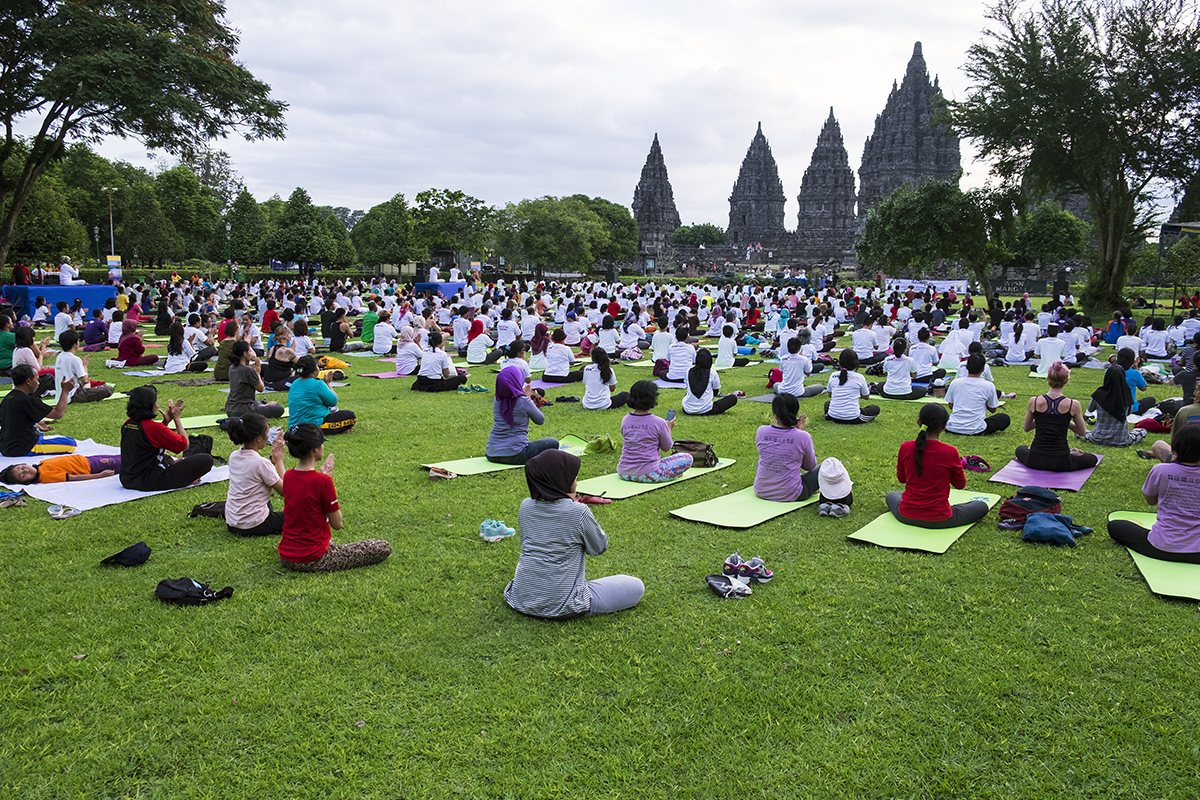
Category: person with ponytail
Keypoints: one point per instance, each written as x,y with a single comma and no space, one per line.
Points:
252,478
787,461
1015,352
703,384
598,383
1050,416
928,468
899,368
845,388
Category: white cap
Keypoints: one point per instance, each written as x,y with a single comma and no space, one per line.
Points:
833,479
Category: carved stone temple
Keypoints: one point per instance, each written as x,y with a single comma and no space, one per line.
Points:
826,223
757,200
654,203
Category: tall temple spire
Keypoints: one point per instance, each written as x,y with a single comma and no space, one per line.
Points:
905,146
826,221
654,203
757,200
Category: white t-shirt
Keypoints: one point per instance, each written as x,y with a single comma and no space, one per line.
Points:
408,355
477,348
608,340
843,398
866,342
795,367
302,346
682,356
925,355
250,480
597,395
1048,350
726,352
703,404
558,360
180,362
970,397
433,364
631,337
574,330
520,364
660,345
385,335
62,322
899,371
506,332
68,365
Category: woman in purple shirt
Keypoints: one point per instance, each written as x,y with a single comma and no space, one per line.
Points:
1175,489
645,436
787,463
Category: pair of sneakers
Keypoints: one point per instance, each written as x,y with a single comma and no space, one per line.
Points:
832,509
494,530
752,571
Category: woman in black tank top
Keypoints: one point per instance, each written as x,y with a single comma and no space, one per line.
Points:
1051,417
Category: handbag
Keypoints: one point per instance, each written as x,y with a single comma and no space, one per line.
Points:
702,454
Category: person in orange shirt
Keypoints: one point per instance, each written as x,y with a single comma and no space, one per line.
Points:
61,469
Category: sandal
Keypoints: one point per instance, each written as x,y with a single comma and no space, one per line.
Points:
1146,454
63,512
593,500
439,474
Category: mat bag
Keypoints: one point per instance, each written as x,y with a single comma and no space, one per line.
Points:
215,509
187,592
702,454
1028,500
329,362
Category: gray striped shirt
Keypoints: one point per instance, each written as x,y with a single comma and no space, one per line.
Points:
555,537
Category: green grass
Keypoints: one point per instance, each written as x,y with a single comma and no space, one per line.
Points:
997,670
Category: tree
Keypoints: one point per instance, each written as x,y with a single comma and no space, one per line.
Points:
1049,236
695,235
349,218
622,228
147,234
560,233
214,169
189,206
451,220
48,230
344,253
162,72
386,235
916,227
1096,97
299,235
85,177
247,229
1182,262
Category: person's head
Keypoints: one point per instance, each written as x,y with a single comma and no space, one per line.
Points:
306,367
607,323
923,335
899,346
600,359
1058,375
786,410
552,475
142,403
240,351
727,331
793,345
1052,330
67,340
932,419
515,349
704,359
1126,357
559,336
24,336
6,322
19,474
848,362
435,338
249,430
22,375
1186,444
803,335
643,396
305,441
681,334
301,327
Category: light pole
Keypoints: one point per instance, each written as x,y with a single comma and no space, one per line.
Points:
112,248
96,233
228,249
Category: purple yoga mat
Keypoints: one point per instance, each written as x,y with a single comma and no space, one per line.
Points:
1018,474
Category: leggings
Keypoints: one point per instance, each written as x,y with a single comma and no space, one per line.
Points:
271,526
1136,538
668,469
961,514
614,593
337,422
141,361
812,390
618,400
570,377
865,414
1068,463
529,451
345,556
720,406
423,384
494,356
915,394
177,475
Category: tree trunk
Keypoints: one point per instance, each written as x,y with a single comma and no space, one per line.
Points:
985,283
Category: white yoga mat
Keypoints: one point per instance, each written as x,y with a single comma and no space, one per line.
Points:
86,495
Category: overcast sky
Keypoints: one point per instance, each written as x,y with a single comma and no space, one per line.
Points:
527,98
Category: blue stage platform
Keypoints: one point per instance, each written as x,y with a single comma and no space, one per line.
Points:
447,289
22,297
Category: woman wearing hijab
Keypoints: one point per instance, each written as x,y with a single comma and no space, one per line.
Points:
408,352
556,533
478,343
512,411
702,387
130,348
537,347
1112,402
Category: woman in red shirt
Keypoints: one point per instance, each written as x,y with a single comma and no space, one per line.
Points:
311,509
928,468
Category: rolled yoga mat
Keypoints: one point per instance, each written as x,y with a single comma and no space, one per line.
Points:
1017,474
614,488
1165,578
739,510
887,531
479,465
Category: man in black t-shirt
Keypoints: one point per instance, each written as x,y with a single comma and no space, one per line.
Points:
22,432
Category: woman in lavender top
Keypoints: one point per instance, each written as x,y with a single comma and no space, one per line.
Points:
787,463
645,437
1175,489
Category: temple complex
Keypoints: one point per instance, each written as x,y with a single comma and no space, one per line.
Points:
826,222
654,203
756,202
906,147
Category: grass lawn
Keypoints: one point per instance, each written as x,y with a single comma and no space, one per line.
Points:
997,670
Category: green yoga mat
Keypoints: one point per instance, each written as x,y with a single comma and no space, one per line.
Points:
926,399
480,465
887,531
1165,578
614,488
209,421
739,510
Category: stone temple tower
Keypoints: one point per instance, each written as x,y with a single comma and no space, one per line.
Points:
654,203
906,147
826,220
756,203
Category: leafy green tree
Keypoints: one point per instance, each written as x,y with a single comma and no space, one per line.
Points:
386,235
695,235
451,220
214,169
1182,262
47,229
349,218
189,206
622,228
1049,236
344,252
86,175
917,227
247,229
272,208
562,234
147,235
1096,97
299,234
162,72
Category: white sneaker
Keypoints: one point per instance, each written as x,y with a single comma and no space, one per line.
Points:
112,363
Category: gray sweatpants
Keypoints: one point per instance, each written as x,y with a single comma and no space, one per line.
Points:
615,593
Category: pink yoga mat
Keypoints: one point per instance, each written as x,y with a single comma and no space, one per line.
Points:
383,375
1017,474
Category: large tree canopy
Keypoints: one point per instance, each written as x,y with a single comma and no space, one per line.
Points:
163,72
1097,97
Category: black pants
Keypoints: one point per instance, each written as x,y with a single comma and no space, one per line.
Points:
570,377
916,393
933,376
720,406
271,526
494,356
960,514
1135,537
423,384
992,424
177,475
865,414
1068,464
339,421
619,399
205,353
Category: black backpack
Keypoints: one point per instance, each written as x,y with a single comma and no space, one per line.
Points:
187,592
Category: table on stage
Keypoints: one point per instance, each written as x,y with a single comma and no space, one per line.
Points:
22,297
